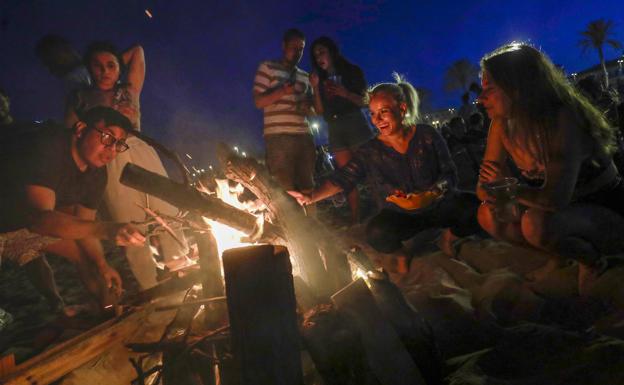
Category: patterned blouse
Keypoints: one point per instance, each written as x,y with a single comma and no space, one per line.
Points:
426,163
120,98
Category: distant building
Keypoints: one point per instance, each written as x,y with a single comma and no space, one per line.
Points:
615,68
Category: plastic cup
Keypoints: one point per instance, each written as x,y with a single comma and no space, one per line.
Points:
504,191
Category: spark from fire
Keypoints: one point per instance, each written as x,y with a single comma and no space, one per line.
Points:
148,13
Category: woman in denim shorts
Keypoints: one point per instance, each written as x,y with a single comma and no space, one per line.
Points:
339,88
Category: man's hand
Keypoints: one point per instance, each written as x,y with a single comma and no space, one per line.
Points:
128,235
111,279
302,199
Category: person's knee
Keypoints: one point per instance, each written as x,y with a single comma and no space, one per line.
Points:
533,226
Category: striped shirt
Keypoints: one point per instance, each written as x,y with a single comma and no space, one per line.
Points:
284,116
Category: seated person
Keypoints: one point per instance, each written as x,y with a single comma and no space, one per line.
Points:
410,171
570,192
54,181
63,62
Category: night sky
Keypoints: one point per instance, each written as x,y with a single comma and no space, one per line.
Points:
202,55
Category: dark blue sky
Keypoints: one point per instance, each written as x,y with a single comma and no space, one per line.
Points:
202,55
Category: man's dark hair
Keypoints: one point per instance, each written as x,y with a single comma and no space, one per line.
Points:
110,116
293,33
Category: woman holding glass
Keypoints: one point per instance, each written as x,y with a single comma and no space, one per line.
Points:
339,87
568,195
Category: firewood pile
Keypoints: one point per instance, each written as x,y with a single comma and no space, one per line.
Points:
266,326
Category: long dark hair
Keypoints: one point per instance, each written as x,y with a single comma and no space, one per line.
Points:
103,46
341,64
538,91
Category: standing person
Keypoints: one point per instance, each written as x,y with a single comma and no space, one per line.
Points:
54,181
282,90
413,178
106,68
570,192
339,89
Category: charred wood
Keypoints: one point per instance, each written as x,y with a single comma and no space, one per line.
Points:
304,235
389,360
187,198
262,311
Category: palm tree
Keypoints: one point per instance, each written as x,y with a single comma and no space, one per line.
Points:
460,74
596,35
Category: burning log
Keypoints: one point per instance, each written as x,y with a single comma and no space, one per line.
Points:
389,360
263,320
304,235
187,198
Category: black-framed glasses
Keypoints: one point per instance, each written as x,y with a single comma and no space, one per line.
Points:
109,140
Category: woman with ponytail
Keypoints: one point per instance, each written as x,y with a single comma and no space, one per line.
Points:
560,148
410,170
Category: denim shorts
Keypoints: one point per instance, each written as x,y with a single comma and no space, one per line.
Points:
348,131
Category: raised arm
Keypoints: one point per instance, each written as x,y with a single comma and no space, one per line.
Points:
134,59
493,164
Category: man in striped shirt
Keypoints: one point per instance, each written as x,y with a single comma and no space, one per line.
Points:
283,92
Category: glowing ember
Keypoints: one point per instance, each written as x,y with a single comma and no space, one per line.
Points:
148,13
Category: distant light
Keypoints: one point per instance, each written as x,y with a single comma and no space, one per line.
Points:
244,154
315,125
203,170
210,167
236,148
148,13
188,156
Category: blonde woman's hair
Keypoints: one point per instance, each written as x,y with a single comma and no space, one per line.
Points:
401,91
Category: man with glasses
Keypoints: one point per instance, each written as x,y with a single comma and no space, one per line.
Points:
53,181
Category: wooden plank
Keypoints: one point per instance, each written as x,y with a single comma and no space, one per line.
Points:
53,364
188,198
263,321
386,354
